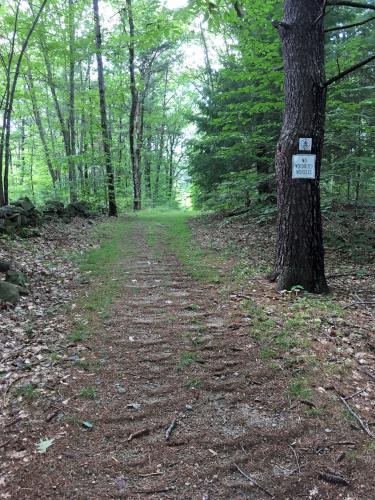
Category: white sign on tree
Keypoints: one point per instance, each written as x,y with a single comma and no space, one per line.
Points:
303,166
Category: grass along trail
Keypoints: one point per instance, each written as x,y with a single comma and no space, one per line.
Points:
181,392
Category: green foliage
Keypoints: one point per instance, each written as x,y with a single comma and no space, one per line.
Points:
87,393
299,389
186,359
28,392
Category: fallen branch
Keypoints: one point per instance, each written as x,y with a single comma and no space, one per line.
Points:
12,383
359,303
340,443
369,374
296,457
355,274
252,480
142,432
12,422
354,395
363,424
170,429
157,490
158,473
234,213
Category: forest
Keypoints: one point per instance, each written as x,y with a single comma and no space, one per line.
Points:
187,201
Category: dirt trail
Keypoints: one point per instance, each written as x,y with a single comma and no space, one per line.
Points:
175,355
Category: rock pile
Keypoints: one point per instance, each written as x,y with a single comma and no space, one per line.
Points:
55,209
20,215
14,285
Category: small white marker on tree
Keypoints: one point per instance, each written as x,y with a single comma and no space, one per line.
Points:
305,144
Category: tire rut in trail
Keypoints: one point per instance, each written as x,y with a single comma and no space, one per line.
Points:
166,359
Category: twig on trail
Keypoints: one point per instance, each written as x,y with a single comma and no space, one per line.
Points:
250,478
14,421
366,275
170,429
296,457
157,490
342,443
142,432
359,303
52,415
158,473
307,403
363,424
369,374
12,383
5,443
354,395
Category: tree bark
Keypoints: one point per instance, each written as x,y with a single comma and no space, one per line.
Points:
112,207
39,124
72,139
300,252
135,115
148,165
5,137
161,143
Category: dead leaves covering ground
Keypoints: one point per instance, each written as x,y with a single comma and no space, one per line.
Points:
33,336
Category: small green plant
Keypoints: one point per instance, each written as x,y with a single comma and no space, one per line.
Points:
196,340
194,383
86,364
192,307
186,359
299,389
29,329
77,335
353,455
55,356
274,366
103,314
314,412
73,420
267,353
28,392
88,393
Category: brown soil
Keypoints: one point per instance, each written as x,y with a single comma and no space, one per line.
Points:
171,424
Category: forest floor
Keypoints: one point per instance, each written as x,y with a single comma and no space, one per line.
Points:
167,366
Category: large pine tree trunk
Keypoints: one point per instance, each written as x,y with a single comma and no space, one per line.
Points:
300,253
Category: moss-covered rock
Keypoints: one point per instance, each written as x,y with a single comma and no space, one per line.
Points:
9,292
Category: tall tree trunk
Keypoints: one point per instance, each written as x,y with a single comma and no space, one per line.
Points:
22,151
112,207
64,130
162,138
72,139
39,124
148,165
207,61
11,91
135,115
300,252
